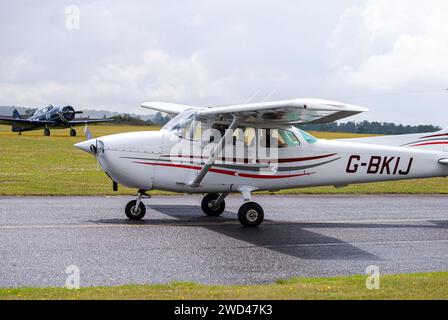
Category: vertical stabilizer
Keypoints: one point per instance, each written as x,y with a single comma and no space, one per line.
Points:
16,114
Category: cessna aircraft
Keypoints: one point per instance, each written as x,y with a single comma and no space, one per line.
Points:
48,117
257,147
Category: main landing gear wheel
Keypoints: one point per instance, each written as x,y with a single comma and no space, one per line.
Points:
134,212
209,206
72,133
251,215
46,132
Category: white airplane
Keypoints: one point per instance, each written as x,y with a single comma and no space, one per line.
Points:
257,147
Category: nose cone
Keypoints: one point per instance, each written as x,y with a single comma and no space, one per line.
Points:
86,146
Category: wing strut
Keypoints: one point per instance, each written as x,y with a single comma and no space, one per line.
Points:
214,155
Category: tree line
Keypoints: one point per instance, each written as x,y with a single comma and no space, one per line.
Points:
157,120
367,127
364,127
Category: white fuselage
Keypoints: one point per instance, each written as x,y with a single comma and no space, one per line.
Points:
142,160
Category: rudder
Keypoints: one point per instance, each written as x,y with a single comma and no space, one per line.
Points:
16,114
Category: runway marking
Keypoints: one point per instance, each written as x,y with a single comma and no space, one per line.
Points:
228,223
93,226
336,244
299,245
187,224
429,220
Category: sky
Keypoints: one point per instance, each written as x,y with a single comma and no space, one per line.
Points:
390,56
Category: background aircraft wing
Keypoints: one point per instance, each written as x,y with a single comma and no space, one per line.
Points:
11,121
297,111
170,108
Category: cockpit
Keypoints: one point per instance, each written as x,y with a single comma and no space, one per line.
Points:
179,124
187,126
44,110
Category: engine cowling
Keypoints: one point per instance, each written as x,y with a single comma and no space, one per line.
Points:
69,113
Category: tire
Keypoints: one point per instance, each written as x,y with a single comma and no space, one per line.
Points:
251,215
46,132
208,209
133,214
72,133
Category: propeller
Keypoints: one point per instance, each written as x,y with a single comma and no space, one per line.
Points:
67,113
92,146
87,132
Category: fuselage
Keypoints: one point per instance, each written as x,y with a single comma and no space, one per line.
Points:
151,160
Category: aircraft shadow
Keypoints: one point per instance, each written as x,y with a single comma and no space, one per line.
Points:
181,215
290,238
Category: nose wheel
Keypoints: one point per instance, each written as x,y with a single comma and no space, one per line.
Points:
135,210
46,132
72,132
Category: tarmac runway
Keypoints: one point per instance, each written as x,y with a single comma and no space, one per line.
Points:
302,236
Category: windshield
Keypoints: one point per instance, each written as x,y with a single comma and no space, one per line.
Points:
308,137
181,124
44,110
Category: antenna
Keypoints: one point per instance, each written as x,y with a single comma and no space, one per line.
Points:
269,95
252,97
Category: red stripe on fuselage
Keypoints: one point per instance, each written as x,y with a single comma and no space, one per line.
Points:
436,136
225,172
429,144
286,160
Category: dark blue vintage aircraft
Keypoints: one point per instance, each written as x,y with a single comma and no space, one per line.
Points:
48,117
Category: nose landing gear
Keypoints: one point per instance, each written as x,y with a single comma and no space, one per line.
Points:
135,210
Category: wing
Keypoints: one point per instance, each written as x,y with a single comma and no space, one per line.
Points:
11,121
88,121
297,111
170,108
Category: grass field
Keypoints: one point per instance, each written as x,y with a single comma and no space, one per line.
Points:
32,164
411,286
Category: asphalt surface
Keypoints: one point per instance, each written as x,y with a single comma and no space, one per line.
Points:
302,236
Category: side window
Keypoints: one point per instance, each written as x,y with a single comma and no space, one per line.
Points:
279,138
289,138
192,130
221,128
249,137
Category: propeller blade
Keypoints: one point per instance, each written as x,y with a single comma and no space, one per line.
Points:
87,132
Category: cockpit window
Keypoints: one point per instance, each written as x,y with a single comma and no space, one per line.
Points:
277,138
308,137
289,138
184,126
44,110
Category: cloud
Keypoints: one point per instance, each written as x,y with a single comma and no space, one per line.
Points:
155,76
217,53
194,52
395,44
